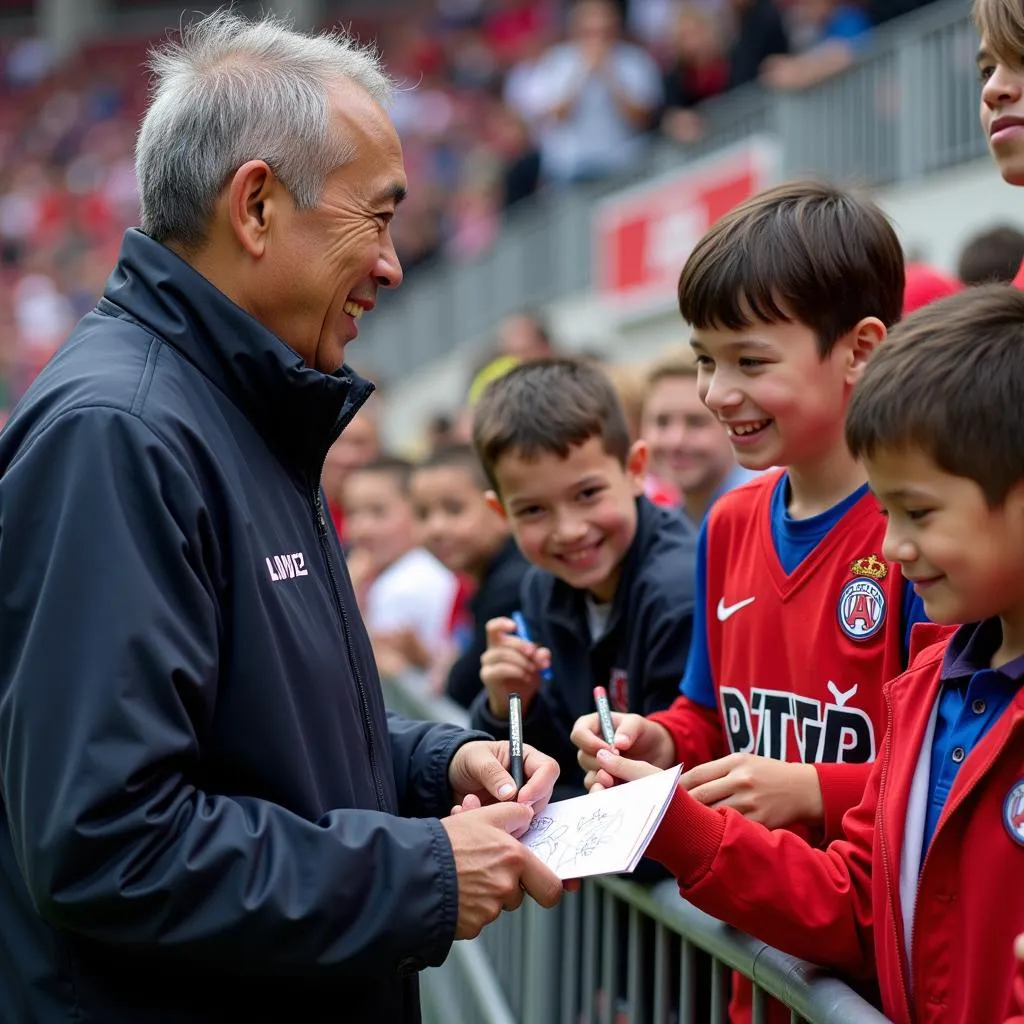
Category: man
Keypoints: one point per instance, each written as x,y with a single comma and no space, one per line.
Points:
201,790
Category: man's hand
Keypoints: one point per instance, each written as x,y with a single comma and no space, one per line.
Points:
510,665
636,737
495,870
775,793
478,775
616,768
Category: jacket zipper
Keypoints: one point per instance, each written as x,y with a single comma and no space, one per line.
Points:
364,703
947,811
893,901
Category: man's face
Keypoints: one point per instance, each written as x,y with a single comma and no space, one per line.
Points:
323,266
1002,111
689,447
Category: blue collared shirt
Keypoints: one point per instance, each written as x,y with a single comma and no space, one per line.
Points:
972,696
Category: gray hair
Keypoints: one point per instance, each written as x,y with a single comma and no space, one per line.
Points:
233,90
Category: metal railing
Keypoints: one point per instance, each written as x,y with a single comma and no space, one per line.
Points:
614,952
908,107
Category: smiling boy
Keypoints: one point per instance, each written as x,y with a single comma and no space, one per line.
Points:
609,600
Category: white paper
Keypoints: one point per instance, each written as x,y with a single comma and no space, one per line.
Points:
604,833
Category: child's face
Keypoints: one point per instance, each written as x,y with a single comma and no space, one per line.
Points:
456,523
378,517
781,403
1002,111
965,559
689,447
574,517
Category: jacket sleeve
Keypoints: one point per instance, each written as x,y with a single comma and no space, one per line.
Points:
842,787
696,731
667,630
421,752
109,650
811,903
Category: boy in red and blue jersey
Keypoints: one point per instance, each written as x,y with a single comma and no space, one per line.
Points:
920,895
799,619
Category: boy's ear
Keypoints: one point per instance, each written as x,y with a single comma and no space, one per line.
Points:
861,343
636,466
494,502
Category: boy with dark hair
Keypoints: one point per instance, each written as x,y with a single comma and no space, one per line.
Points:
461,530
609,601
798,619
920,893
994,254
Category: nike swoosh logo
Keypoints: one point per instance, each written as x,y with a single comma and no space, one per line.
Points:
728,611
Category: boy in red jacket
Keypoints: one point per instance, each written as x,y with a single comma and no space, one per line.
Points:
923,891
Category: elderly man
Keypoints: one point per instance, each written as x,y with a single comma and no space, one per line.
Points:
207,814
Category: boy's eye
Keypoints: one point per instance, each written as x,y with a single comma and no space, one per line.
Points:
589,492
917,514
986,72
751,364
529,510
705,361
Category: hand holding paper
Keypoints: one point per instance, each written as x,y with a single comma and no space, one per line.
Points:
605,832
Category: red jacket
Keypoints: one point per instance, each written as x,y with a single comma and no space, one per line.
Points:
840,907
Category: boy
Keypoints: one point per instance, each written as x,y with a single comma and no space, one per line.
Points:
461,530
1000,24
921,893
798,620
609,601
406,595
690,449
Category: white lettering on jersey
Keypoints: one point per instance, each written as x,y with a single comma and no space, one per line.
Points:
835,733
286,567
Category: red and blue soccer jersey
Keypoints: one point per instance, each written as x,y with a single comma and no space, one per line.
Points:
798,625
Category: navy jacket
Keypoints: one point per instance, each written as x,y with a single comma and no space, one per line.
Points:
200,784
641,656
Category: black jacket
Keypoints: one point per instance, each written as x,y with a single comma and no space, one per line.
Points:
199,779
497,595
641,656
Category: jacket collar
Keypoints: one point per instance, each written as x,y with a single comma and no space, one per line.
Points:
299,411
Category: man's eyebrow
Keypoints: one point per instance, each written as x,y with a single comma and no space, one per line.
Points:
394,192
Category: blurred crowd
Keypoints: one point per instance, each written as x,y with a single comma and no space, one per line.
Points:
499,99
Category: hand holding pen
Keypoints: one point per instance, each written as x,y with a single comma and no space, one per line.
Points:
511,664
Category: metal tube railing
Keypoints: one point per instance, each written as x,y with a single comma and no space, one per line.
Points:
608,953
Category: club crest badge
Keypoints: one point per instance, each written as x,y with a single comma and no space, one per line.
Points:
1013,813
861,609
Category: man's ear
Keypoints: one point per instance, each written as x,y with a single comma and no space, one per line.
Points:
494,502
254,196
861,343
636,465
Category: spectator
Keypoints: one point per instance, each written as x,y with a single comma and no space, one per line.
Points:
698,69
206,813
461,530
690,449
600,95
358,444
757,34
991,255
524,336
406,595
925,284
827,34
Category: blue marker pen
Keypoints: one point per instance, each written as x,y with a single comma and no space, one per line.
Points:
517,617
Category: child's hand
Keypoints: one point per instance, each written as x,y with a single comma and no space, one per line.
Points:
775,793
636,737
510,665
616,768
